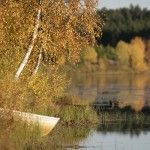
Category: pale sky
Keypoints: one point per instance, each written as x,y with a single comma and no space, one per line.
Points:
123,3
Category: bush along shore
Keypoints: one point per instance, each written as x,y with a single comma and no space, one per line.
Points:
132,57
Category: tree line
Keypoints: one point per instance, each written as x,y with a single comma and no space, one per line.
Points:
125,56
124,24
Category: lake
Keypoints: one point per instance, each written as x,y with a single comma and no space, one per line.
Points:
132,93
128,90
121,104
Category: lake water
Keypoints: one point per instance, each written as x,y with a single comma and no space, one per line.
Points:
117,141
128,90
132,93
122,105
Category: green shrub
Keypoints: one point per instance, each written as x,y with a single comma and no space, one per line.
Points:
107,52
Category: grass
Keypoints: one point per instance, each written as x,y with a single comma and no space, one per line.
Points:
77,120
78,115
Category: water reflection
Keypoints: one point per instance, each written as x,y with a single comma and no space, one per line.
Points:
115,141
120,128
128,90
121,103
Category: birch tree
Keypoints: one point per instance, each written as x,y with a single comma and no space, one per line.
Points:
32,31
31,45
66,27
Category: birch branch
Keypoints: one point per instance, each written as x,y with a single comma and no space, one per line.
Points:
30,48
38,63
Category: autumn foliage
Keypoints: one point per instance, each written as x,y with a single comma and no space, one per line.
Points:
138,55
132,54
132,57
90,55
123,51
64,29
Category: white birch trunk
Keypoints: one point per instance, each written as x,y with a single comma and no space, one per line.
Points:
38,63
29,50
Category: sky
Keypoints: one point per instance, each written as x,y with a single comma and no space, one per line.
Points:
123,3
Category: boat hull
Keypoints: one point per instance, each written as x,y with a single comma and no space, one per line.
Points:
45,123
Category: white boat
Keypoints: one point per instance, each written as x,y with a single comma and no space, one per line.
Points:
45,123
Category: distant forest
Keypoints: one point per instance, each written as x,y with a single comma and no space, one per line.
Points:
124,24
